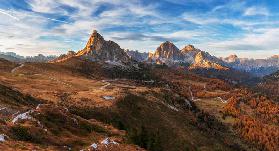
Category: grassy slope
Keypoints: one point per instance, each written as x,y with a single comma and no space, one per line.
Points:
138,110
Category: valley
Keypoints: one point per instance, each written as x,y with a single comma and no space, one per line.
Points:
102,99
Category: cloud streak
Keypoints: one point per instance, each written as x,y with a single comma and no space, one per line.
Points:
60,25
8,14
253,11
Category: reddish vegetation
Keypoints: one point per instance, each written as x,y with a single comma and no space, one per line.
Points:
257,119
262,135
157,108
270,88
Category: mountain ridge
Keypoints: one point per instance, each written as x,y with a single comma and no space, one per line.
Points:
98,49
258,67
168,53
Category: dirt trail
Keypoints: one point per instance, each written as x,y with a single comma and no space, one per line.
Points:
16,68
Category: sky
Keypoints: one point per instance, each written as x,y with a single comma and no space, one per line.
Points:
247,28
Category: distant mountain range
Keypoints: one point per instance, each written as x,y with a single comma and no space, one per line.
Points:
258,67
167,53
98,49
11,56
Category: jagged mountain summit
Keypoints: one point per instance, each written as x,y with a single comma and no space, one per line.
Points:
98,49
205,60
275,56
136,55
258,67
167,53
231,58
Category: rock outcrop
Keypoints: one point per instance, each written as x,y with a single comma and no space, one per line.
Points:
258,67
98,49
188,49
231,58
275,57
167,53
138,56
204,60
167,50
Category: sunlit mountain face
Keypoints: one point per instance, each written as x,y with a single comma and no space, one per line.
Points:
169,75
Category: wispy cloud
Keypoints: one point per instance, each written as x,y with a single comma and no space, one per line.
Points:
264,43
256,10
57,20
66,24
8,14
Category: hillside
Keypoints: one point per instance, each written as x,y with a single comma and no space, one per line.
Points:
151,108
269,86
37,123
87,99
101,99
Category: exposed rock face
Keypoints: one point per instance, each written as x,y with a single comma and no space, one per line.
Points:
258,67
231,58
189,48
138,56
168,50
150,54
203,60
189,53
168,53
98,49
275,57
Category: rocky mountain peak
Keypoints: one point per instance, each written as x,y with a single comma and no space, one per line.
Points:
150,54
167,50
231,58
204,60
136,55
97,48
188,48
95,41
199,57
168,46
275,57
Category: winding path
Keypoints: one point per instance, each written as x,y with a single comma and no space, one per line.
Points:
16,68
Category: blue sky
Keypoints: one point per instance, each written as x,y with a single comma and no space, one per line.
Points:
248,28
